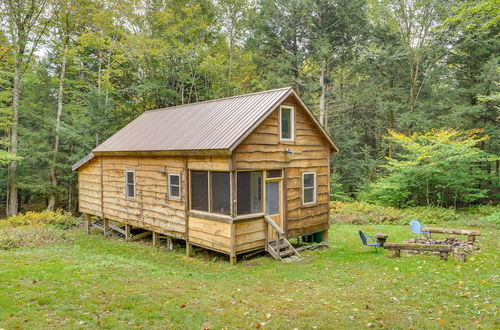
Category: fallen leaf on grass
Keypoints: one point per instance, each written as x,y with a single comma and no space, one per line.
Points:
183,305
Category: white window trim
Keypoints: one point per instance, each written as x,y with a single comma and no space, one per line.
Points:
292,124
127,184
314,186
170,185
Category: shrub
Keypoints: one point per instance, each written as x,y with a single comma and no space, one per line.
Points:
365,213
30,236
58,218
439,167
493,218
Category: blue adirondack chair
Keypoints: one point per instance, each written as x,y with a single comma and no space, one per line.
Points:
374,243
416,228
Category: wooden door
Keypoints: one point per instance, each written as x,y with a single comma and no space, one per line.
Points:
274,201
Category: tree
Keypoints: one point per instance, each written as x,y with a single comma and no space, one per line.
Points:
438,167
335,29
25,24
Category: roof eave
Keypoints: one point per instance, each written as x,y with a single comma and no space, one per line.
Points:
190,152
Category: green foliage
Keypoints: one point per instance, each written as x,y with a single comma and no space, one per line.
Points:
409,66
366,213
30,236
336,190
57,218
439,167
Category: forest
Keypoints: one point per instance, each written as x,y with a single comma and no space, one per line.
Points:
408,89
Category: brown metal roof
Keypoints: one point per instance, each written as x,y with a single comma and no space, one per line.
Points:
219,124
208,125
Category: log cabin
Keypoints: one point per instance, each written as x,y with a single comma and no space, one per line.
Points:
233,175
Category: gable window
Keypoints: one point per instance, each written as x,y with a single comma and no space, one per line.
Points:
130,184
249,192
174,186
211,192
308,188
286,123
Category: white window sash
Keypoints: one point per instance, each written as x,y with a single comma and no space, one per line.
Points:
292,124
170,186
129,184
313,187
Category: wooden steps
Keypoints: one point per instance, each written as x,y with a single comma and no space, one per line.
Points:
280,248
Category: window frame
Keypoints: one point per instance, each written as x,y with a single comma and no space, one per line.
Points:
169,185
315,187
292,123
127,171
209,192
262,192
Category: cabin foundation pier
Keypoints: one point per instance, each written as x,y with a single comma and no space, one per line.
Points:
170,244
106,226
189,249
128,236
156,239
232,260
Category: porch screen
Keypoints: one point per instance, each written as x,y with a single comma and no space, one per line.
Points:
221,192
199,190
249,192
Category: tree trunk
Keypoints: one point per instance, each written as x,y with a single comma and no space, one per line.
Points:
322,106
60,94
12,200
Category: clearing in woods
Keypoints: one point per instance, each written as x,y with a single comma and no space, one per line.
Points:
106,282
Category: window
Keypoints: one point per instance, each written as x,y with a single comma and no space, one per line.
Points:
273,174
249,192
286,123
217,191
221,192
309,188
130,184
199,190
174,186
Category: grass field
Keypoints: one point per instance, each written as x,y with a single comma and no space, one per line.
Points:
106,282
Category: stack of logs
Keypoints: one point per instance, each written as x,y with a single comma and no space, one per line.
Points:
460,248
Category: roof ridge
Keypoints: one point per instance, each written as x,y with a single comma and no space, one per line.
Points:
219,99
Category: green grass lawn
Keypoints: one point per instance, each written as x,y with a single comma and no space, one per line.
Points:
106,282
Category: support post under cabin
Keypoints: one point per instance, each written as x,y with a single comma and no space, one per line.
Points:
156,239
189,249
89,223
128,237
170,245
105,226
325,236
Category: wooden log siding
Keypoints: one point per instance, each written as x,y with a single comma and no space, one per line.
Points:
89,188
250,235
212,234
262,149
